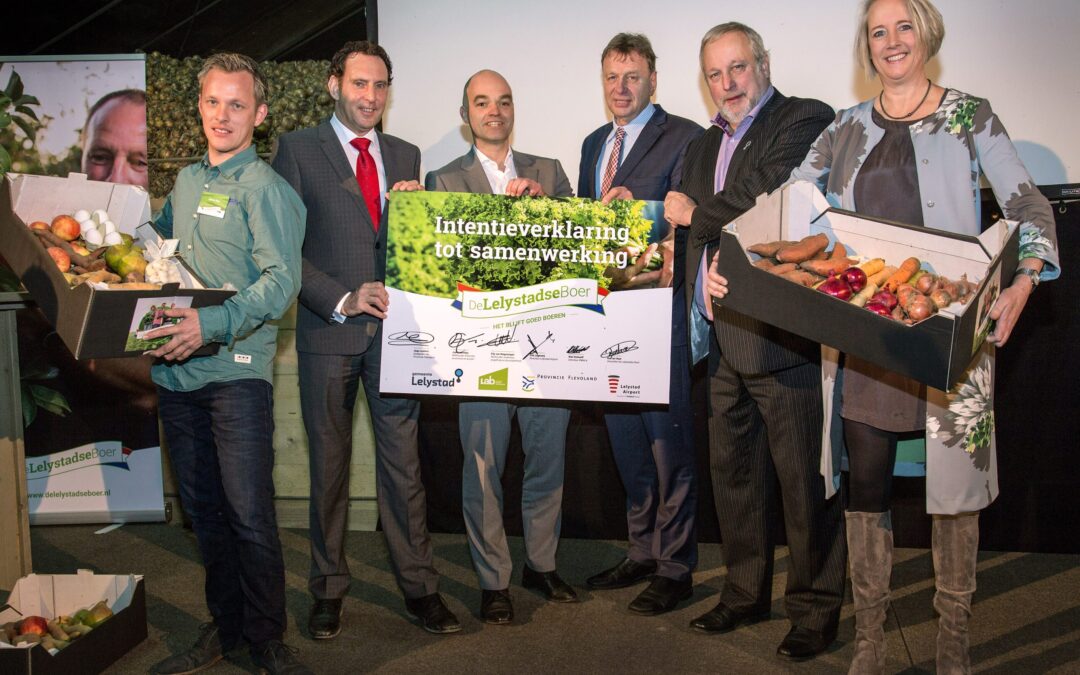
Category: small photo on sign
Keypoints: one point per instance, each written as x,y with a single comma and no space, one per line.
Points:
986,303
150,315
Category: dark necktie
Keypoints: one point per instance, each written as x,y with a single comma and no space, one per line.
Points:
367,178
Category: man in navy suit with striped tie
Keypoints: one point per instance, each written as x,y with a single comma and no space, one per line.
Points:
639,156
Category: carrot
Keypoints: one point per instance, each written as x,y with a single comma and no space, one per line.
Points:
907,268
881,275
862,297
872,266
805,249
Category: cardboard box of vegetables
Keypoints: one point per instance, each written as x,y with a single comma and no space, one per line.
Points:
74,245
71,623
912,299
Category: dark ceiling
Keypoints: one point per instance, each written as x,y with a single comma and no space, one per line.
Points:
267,30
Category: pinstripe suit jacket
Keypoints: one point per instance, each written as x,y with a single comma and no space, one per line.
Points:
776,143
342,249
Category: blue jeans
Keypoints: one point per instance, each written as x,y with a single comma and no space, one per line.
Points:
220,441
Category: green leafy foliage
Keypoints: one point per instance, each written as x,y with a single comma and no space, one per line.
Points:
413,266
15,109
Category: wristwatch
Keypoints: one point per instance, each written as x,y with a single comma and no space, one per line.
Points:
1030,274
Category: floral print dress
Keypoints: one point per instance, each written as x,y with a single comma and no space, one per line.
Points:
961,141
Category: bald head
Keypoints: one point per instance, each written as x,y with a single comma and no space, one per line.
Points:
487,106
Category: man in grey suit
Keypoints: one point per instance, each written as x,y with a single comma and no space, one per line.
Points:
342,169
764,383
492,167
639,156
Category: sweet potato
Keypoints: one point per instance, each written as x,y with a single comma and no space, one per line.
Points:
764,263
769,249
826,267
802,277
783,268
838,251
805,249
906,270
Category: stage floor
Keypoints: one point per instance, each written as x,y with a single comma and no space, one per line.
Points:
1027,612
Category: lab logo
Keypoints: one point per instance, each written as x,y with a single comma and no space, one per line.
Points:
613,383
528,383
496,381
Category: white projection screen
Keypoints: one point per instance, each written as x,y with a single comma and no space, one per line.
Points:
1022,56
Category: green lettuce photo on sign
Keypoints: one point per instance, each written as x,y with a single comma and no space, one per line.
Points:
490,242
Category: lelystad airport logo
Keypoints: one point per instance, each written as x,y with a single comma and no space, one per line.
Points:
496,381
528,383
613,384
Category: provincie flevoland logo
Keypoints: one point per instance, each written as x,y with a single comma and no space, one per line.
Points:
104,453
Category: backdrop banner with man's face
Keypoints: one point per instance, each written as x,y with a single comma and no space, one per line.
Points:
92,448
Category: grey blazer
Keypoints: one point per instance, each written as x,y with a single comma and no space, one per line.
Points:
342,249
465,174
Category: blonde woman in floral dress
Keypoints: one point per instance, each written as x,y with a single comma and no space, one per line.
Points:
914,154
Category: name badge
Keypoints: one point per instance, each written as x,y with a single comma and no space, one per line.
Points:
213,204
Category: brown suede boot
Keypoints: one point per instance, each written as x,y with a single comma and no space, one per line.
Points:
955,546
870,552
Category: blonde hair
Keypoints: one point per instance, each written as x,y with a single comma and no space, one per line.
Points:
929,31
236,63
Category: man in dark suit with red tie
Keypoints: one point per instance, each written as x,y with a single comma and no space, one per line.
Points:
765,408
343,169
639,156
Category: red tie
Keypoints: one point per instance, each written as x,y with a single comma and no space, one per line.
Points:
613,161
367,177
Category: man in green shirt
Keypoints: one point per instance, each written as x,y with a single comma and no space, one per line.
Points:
238,224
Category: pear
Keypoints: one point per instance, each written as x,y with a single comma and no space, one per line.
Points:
114,253
98,613
132,263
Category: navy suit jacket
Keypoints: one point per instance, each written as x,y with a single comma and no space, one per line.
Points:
342,248
654,165
776,142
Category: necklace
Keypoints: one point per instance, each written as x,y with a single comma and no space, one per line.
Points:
881,102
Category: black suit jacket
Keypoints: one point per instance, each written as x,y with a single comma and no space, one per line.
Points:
342,248
777,141
654,165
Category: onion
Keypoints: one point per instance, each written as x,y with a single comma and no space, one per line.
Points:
941,298
879,308
855,278
924,283
836,287
884,298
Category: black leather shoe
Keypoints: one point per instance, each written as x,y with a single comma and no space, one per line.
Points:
721,619
207,651
548,583
495,607
324,622
662,595
435,616
627,573
274,657
804,643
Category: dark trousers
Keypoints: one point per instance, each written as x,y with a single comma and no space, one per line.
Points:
220,442
654,452
329,387
765,445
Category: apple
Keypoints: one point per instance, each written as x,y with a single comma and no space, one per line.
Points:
81,250
60,257
36,625
66,227
39,225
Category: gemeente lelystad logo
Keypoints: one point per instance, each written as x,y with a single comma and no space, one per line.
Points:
433,381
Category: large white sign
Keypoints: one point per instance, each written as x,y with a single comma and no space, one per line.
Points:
466,321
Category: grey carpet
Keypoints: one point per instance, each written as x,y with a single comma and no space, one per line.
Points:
1027,612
